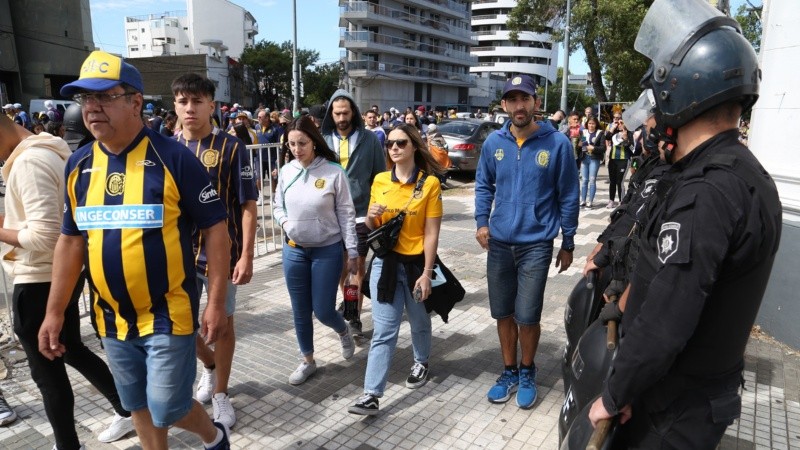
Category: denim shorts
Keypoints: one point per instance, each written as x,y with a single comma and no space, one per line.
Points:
154,372
517,275
230,294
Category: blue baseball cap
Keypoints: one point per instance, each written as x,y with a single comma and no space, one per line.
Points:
522,83
102,71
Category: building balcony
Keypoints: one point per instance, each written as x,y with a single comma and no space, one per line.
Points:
364,68
367,13
366,40
443,6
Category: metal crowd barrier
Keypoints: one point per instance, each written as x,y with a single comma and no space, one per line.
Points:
268,231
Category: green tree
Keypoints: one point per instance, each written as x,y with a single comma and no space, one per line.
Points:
750,20
272,64
576,96
321,82
604,29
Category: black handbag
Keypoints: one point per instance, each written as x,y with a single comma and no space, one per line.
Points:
384,239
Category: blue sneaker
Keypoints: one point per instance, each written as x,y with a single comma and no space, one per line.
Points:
506,385
526,394
224,444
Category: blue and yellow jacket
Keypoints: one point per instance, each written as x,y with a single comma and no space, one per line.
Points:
534,187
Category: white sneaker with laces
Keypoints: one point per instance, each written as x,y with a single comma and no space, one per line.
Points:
119,427
223,410
348,344
303,371
206,386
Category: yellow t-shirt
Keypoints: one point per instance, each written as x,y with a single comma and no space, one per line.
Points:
395,195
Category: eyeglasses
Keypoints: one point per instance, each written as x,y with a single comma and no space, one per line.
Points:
101,99
400,143
617,118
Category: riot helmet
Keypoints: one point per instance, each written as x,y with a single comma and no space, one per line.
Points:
75,132
699,60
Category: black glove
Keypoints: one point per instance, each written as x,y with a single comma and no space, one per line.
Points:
615,289
610,312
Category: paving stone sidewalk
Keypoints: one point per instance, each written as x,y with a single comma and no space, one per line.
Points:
449,412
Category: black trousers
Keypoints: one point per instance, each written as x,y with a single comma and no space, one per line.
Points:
30,305
616,174
692,420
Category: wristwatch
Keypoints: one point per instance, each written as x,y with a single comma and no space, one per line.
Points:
568,249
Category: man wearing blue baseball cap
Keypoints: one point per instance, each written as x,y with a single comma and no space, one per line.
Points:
132,199
527,170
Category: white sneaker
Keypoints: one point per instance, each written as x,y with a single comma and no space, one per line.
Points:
223,410
303,371
348,344
119,427
206,386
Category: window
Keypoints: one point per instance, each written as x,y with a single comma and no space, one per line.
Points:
134,49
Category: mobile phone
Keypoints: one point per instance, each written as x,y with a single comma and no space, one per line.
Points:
418,294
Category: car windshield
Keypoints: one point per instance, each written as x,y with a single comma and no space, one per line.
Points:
459,128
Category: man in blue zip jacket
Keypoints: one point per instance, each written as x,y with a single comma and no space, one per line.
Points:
528,170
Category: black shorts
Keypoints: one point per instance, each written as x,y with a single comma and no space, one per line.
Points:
362,231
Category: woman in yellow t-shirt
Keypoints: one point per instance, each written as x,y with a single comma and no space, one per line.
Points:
401,279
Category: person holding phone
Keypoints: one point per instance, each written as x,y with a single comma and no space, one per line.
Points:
314,207
401,279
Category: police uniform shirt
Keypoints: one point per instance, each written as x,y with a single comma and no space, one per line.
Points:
136,211
706,254
226,160
388,190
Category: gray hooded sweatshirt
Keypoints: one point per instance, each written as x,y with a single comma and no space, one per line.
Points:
366,156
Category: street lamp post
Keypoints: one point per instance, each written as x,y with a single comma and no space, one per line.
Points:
295,65
565,75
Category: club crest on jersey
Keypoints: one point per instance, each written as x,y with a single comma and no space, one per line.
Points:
668,240
209,157
499,154
115,184
320,183
543,158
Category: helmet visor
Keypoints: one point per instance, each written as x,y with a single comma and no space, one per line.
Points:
667,25
640,110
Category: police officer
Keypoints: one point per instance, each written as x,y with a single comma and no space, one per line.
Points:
618,244
709,243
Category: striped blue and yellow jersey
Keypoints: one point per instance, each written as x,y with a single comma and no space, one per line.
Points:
136,211
227,162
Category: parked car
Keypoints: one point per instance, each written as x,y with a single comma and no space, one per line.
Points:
464,139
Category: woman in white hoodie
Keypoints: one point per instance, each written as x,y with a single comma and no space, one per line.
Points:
315,210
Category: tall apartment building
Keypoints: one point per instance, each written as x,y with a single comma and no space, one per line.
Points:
184,32
534,54
407,52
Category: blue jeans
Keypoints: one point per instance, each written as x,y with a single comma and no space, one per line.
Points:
589,168
516,276
386,318
312,278
154,372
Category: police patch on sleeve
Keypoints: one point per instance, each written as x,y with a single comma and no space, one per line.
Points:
648,188
668,240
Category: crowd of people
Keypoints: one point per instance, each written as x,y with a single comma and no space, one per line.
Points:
176,193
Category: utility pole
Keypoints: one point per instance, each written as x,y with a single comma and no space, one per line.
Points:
295,63
565,75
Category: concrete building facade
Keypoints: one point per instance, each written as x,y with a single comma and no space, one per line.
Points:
187,32
402,53
499,59
42,46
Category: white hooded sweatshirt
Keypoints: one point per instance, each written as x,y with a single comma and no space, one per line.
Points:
34,203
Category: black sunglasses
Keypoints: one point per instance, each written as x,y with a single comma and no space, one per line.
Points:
400,143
